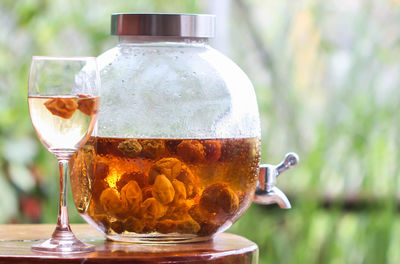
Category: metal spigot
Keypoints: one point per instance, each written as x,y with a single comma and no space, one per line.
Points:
266,191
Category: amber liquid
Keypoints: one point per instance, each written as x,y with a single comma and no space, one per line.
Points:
164,186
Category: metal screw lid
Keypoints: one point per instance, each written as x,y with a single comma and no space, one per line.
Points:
172,25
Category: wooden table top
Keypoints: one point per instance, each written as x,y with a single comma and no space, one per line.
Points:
16,240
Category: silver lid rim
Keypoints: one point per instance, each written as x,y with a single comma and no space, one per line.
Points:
157,24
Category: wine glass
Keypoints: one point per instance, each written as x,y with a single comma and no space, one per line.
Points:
63,99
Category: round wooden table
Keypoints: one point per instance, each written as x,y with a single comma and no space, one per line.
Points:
16,240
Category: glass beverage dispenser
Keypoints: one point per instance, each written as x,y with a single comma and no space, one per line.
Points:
175,156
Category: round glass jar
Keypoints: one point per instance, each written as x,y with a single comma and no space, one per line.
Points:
175,155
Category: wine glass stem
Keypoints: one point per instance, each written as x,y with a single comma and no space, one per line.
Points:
63,220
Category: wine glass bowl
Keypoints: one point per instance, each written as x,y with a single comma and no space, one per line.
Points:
63,123
63,104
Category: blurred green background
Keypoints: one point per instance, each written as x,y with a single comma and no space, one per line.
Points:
326,74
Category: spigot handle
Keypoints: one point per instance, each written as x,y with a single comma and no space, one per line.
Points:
291,160
266,191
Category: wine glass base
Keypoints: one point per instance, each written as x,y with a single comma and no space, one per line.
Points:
63,242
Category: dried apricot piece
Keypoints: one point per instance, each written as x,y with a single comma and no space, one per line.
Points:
209,198
153,148
170,167
88,106
180,191
219,196
130,147
131,195
191,151
152,209
209,223
188,226
189,180
163,190
133,224
228,200
212,149
147,192
200,215
117,226
112,203
149,225
171,145
177,211
62,107
166,226
137,176
108,147
207,229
